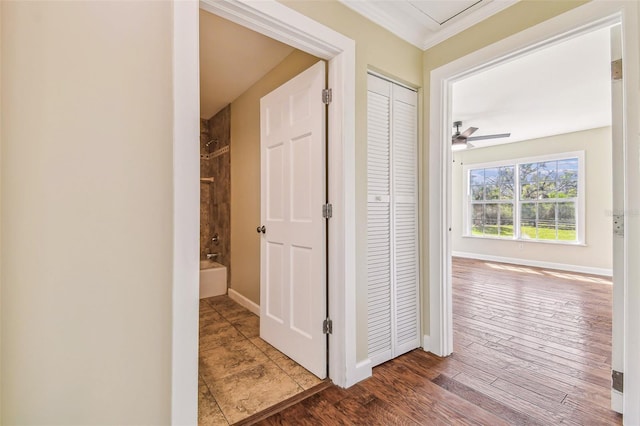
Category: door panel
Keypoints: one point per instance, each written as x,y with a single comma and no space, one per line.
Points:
293,248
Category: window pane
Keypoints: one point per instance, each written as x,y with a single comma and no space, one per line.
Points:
528,220
476,177
567,221
566,189
546,189
547,170
491,192
528,173
506,220
477,218
528,181
568,167
567,181
546,221
506,182
490,219
529,191
477,192
491,176
567,185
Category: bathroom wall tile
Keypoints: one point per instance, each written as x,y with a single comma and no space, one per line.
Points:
217,200
252,390
209,413
229,359
205,195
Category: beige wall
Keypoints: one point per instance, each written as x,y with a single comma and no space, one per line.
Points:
0,215
597,253
245,174
376,49
86,212
510,21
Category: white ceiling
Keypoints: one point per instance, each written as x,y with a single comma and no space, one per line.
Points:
425,23
561,89
232,59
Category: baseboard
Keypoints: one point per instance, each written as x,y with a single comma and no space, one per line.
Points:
363,370
426,343
536,263
243,301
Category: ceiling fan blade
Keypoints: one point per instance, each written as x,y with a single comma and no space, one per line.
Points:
468,132
496,136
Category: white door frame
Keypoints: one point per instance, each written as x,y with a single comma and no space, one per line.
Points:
574,22
277,21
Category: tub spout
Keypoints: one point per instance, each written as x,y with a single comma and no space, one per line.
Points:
211,256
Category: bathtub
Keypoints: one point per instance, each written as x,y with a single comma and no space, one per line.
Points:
213,279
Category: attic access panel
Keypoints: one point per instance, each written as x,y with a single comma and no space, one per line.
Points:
442,11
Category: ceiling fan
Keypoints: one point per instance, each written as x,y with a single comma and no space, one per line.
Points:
461,141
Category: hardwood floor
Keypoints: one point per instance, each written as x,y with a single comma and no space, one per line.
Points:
531,347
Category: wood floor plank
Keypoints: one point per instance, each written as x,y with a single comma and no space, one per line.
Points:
532,346
485,402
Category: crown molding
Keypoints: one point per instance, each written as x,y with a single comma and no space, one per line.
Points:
409,32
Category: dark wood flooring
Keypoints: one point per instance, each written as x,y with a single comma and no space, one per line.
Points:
531,347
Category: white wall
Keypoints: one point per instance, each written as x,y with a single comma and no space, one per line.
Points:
597,253
86,212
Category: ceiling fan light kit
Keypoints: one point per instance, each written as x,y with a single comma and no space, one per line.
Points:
458,145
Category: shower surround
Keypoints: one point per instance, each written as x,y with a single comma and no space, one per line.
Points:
215,197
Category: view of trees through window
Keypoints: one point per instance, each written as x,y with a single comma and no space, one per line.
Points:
536,200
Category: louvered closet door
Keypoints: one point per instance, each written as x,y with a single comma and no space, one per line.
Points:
404,143
392,258
379,220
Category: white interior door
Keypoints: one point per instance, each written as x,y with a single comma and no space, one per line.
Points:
293,247
618,207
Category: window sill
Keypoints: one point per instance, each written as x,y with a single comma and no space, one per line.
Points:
523,240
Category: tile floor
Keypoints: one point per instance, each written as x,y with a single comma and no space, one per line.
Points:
239,373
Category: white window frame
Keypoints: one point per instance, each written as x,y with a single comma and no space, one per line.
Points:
579,200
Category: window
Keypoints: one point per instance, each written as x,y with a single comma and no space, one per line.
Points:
529,199
492,191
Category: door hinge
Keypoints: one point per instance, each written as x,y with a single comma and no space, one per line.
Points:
617,380
327,211
326,96
616,70
327,326
618,225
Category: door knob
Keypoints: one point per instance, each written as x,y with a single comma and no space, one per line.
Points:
261,229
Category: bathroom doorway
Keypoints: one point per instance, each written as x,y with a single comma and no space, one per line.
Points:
239,373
